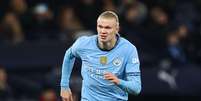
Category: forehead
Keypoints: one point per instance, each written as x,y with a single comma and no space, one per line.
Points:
106,21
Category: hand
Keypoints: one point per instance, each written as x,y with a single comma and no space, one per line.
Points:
111,77
66,95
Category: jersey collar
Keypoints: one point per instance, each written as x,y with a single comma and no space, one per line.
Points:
117,36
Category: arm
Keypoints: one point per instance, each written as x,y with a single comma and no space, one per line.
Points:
131,85
67,67
132,82
68,62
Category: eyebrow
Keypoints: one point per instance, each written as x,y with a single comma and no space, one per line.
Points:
104,26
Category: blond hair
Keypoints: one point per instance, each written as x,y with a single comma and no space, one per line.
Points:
110,14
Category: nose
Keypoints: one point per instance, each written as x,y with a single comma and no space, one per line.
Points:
102,30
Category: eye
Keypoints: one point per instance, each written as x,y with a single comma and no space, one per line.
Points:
100,26
108,27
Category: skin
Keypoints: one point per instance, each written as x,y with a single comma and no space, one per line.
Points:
107,29
66,95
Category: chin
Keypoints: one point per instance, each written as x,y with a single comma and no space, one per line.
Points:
103,40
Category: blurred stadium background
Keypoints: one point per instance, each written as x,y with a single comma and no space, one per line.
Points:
34,35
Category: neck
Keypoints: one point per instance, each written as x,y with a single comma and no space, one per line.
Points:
107,45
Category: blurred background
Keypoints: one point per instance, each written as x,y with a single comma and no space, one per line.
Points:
34,35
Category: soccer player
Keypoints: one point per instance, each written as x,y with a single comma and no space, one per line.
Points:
110,64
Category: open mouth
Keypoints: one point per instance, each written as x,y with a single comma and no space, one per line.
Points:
103,36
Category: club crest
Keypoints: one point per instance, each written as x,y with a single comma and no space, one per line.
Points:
117,62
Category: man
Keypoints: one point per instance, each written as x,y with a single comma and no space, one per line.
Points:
110,64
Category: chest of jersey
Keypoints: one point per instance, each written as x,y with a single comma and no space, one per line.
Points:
98,62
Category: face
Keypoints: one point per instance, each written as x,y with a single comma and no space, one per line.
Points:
107,29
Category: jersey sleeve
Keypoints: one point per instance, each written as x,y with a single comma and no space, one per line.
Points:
67,66
132,82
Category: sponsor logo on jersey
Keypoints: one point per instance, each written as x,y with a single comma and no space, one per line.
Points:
135,60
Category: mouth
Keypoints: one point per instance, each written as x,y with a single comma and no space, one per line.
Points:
103,36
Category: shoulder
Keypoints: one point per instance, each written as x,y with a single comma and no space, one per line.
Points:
128,45
129,48
84,40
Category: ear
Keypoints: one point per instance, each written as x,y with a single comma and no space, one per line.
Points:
117,29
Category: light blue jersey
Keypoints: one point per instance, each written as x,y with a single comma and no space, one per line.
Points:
122,61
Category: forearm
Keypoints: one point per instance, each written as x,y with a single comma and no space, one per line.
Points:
132,86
